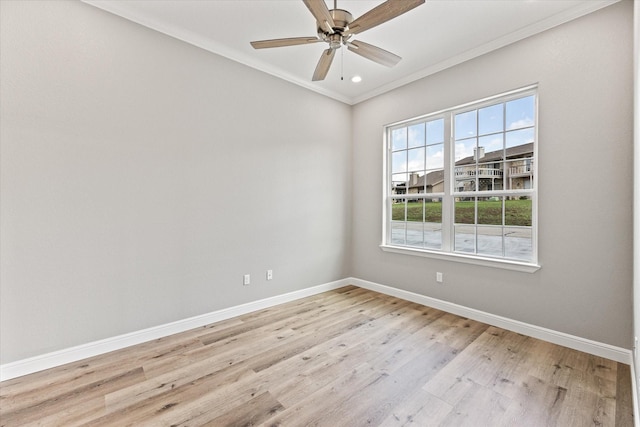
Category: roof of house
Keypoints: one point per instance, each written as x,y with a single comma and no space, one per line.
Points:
492,156
435,177
432,178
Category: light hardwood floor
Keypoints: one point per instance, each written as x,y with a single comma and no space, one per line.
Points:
350,357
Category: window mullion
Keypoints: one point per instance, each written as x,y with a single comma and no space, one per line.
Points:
447,201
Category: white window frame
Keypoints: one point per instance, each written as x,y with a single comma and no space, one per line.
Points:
447,251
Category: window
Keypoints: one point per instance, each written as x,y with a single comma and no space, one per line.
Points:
462,182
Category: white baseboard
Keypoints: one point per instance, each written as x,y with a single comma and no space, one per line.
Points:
607,351
73,354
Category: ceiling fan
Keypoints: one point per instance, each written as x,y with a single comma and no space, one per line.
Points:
336,26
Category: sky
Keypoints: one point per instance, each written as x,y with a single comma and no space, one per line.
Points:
420,147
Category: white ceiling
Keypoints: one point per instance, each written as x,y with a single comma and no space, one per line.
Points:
430,38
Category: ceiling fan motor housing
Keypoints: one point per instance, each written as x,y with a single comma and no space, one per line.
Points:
341,20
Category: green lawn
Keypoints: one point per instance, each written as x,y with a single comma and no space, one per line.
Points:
517,212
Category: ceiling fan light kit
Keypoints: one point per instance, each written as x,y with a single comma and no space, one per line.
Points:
336,27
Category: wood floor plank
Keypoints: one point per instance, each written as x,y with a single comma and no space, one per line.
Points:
479,407
310,412
241,344
160,385
372,404
316,302
26,391
55,406
179,403
251,413
421,407
346,353
478,364
291,348
348,357
597,402
212,403
380,333
624,398
312,379
536,403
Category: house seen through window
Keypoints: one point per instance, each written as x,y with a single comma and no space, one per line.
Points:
462,181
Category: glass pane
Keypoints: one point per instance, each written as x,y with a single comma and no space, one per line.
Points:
490,210
465,211
518,211
518,138
398,210
518,243
520,113
490,119
398,232
465,184
416,183
433,210
399,139
435,131
435,181
399,183
432,236
489,241
520,173
433,223
435,156
465,238
464,151
415,210
416,159
465,124
416,135
399,162
490,176
491,146
415,234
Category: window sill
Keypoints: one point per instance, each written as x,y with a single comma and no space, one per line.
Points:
467,259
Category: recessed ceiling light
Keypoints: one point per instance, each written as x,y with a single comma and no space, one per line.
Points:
356,79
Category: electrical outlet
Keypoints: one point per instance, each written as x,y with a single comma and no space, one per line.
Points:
439,277
246,279
269,274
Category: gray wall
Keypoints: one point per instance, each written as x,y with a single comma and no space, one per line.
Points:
584,288
142,177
